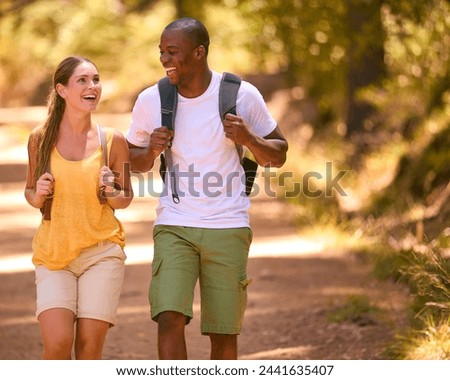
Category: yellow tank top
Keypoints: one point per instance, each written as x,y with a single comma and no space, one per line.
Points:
78,220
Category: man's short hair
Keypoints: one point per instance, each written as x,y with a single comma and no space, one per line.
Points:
194,29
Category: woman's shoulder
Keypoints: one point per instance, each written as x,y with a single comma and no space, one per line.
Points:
36,133
114,133
114,136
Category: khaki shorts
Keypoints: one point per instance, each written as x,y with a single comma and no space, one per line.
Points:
218,258
89,286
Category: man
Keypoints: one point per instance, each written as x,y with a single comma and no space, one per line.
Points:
206,235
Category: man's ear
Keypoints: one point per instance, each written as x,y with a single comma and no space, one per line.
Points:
61,90
200,52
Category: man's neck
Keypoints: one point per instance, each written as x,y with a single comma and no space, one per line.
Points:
197,85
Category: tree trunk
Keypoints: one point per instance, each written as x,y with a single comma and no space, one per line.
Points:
366,58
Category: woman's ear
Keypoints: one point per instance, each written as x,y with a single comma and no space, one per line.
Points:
61,90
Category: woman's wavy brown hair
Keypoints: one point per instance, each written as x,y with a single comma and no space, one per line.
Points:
56,106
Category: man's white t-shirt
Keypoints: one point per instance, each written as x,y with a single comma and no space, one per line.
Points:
211,180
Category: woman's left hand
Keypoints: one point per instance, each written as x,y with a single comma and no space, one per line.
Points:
106,180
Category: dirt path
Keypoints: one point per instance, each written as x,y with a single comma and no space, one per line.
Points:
296,284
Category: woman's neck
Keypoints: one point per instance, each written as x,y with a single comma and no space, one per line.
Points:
77,123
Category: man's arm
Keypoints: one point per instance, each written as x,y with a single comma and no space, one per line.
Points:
142,159
269,151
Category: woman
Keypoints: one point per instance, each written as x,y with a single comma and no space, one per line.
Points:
78,247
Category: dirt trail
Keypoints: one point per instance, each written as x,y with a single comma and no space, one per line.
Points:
296,284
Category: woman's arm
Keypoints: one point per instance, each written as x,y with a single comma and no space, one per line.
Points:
118,190
36,191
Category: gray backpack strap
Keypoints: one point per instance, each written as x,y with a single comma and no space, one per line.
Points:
229,87
169,96
102,142
47,208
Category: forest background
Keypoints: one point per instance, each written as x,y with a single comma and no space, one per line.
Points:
363,95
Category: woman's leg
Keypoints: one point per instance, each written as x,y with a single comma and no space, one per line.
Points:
90,338
99,290
57,332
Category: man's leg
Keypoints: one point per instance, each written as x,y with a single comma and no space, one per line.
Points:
171,340
175,271
223,288
223,347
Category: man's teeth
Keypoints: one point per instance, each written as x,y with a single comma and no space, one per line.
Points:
170,70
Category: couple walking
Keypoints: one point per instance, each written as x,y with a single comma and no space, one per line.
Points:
79,173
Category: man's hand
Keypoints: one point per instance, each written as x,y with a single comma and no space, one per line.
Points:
160,140
236,129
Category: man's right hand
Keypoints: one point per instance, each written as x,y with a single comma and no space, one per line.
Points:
160,140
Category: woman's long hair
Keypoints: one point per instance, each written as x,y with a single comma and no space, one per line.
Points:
56,106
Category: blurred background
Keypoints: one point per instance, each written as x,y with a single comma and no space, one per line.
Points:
361,88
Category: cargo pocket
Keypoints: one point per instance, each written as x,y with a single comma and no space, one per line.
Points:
245,283
155,266
153,294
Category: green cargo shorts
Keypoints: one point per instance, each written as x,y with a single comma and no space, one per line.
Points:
215,257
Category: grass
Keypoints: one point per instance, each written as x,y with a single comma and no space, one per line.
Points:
432,342
380,225
358,309
426,270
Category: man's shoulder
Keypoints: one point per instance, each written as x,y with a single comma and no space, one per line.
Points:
149,92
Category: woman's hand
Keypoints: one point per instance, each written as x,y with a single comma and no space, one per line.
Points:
44,186
106,181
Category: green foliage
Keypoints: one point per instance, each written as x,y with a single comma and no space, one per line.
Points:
430,343
120,37
43,33
417,60
428,276
422,174
425,269
307,40
387,263
358,309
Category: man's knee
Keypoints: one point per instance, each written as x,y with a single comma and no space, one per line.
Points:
223,339
171,320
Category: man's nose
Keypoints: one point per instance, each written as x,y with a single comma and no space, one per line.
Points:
164,58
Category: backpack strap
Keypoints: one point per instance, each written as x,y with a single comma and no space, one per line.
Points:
169,96
101,132
103,143
46,210
229,87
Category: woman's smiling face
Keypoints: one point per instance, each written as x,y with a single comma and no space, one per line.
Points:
83,89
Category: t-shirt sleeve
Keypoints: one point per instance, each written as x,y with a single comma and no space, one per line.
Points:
253,109
143,119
